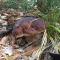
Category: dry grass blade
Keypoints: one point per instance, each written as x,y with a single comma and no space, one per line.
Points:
43,45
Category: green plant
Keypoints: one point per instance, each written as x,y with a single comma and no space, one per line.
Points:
50,12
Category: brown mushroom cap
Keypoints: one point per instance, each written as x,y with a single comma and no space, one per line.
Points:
27,26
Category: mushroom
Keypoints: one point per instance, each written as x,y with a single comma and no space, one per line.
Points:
27,28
